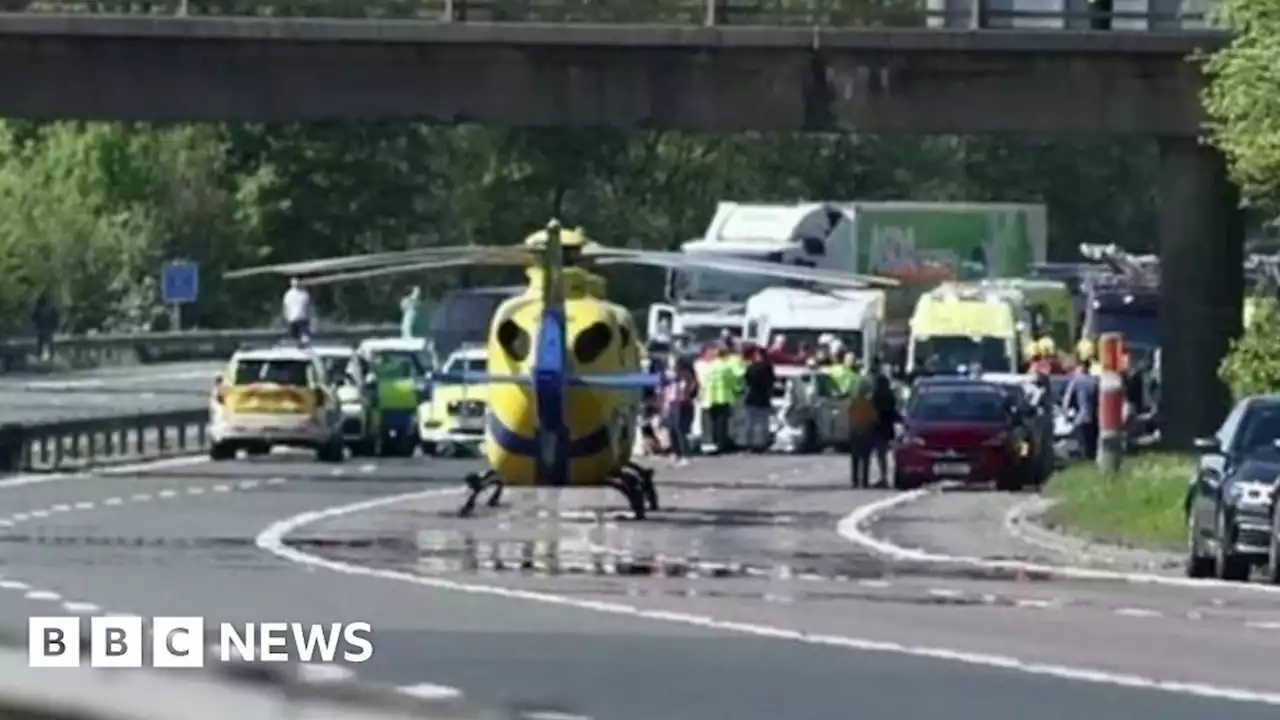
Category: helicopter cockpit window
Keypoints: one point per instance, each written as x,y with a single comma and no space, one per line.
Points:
592,342
514,340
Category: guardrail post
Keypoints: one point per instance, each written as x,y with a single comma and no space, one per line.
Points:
710,19
448,11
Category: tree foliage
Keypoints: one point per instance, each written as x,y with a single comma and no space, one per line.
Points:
1250,368
90,211
1243,96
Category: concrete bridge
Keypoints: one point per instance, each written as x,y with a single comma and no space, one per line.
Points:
717,79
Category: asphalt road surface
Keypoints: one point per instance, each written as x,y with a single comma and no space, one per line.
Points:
738,599
105,392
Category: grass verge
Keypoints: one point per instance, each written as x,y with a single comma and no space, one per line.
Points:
1142,506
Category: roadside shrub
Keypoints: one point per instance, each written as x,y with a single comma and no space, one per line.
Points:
1252,366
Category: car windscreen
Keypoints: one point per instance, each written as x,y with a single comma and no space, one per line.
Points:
335,368
290,373
470,366
957,354
1259,429
397,364
959,404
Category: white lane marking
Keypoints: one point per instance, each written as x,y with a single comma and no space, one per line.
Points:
6,523
141,497
852,528
60,508
945,593
81,607
430,691
1263,625
195,491
118,380
43,595
38,479
554,715
366,469
1138,612
167,493
221,488
313,673
874,583
277,481
85,505
1032,603
19,517
13,585
272,538
246,484
113,501
39,513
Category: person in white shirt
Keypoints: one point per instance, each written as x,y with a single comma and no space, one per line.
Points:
297,311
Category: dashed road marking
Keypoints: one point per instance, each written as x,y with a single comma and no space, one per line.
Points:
60,508
43,595
20,517
245,484
141,497
113,501
945,593
221,488
313,673
13,585
85,505
1034,603
81,607
277,481
1138,612
167,493
39,513
195,491
430,691
1261,625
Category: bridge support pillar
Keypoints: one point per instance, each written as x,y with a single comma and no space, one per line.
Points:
1202,285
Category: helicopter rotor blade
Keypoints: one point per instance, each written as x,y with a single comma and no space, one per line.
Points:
743,266
471,253
412,267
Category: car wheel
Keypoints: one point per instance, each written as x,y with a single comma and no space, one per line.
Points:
362,448
259,449
1227,564
428,448
1198,566
334,451
221,451
1273,553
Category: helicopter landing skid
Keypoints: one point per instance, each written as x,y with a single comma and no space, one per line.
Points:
636,483
477,484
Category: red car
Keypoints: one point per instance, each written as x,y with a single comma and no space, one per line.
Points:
968,431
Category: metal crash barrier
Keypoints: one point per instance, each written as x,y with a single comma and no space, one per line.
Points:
84,443
94,350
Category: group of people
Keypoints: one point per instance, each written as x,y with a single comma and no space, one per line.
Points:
731,374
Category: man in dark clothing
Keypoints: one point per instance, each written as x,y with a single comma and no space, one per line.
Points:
885,401
759,379
1081,401
44,318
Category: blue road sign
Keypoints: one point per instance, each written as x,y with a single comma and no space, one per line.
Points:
179,282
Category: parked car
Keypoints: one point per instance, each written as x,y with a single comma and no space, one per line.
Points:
966,430
1230,502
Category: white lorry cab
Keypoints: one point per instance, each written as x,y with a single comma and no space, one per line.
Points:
694,324
801,317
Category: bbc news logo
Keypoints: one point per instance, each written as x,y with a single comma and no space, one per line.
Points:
182,642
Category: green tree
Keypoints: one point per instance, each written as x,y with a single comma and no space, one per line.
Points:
1243,96
1251,367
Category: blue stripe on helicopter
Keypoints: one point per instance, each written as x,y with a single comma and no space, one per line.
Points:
607,381
516,444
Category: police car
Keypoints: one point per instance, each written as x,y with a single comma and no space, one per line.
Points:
274,396
455,413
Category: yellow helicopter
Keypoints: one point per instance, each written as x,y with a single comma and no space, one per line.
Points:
564,363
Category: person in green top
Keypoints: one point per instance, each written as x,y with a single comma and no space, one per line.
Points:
843,372
411,325
722,393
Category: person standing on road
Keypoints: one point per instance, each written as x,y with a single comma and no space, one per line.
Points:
297,311
885,401
44,319
411,314
722,388
759,379
863,421
679,392
1081,403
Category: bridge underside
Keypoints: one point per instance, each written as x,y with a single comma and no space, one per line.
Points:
714,80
